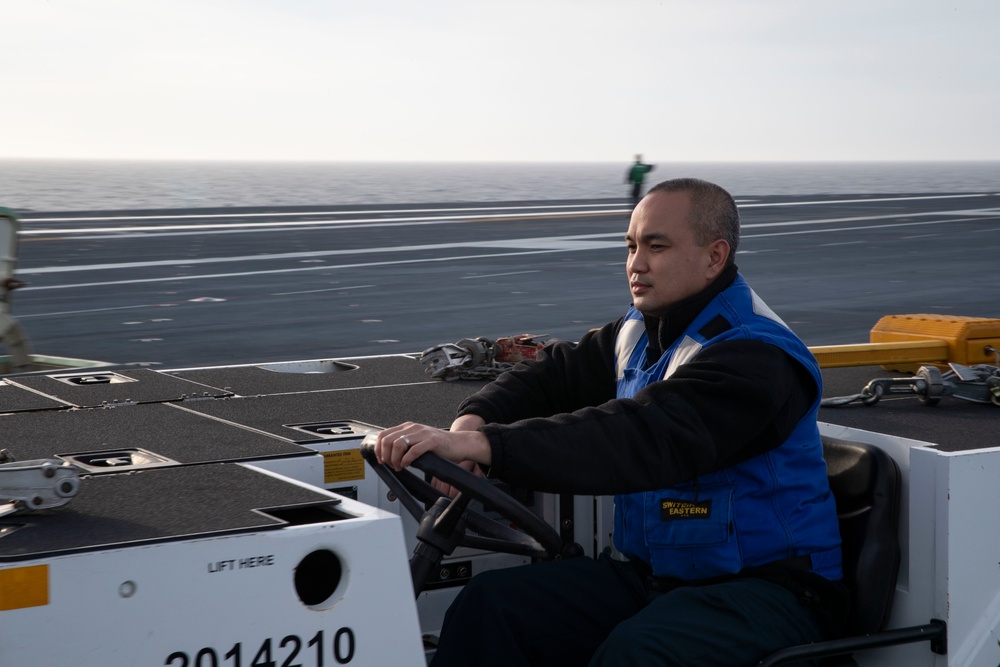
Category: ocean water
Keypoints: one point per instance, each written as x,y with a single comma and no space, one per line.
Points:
80,185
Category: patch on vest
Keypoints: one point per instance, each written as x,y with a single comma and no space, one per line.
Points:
717,326
672,509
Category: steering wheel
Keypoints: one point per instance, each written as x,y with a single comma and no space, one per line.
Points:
444,524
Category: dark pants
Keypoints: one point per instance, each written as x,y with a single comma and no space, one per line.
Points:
636,193
601,613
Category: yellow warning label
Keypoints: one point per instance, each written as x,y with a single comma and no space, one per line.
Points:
23,587
342,466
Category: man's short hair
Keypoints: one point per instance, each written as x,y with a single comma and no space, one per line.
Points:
714,214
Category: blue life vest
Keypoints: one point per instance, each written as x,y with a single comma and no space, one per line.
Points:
769,508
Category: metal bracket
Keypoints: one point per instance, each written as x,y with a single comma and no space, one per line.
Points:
38,484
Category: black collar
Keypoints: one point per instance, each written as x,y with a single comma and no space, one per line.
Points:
663,331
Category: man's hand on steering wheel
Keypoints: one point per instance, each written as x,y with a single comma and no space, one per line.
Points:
399,446
428,449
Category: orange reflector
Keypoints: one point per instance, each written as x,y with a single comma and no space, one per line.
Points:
22,587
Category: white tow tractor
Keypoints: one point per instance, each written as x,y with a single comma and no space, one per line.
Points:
226,517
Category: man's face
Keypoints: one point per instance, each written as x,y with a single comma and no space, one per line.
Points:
665,265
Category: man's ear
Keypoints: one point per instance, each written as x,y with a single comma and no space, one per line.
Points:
718,256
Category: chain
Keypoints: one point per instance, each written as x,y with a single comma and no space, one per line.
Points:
866,396
979,384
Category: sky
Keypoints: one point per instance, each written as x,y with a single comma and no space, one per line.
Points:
518,80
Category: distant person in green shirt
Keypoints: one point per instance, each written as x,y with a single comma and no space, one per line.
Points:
637,176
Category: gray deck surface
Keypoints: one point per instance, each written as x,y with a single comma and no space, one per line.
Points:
397,283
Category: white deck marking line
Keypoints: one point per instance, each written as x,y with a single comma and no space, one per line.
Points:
548,243
862,201
497,275
295,270
96,310
302,224
188,216
277,214
328,289
845,229
579,242
305,224
566,247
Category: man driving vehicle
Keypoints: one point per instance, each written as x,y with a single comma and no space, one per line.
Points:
697,410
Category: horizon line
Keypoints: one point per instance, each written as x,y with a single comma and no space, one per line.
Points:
486,161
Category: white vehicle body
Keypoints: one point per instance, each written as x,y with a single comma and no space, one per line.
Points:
162,576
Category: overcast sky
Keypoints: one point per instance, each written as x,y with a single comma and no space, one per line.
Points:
521,80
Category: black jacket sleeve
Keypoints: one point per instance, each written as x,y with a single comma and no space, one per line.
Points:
734,400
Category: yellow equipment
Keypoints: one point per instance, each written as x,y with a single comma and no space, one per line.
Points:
906,342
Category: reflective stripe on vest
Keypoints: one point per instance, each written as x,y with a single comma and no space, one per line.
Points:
628,337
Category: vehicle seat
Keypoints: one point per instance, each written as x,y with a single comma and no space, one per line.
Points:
865,482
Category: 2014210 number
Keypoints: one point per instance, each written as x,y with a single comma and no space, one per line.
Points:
291,648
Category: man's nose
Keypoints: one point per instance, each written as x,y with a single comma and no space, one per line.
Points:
636,263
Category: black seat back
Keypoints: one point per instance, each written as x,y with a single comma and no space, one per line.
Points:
866,484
